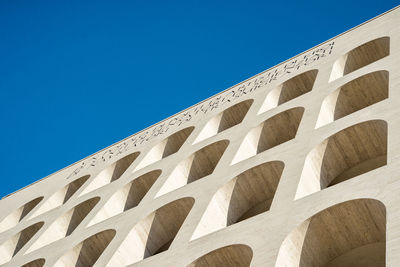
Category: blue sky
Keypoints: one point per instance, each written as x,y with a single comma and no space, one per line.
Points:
77,76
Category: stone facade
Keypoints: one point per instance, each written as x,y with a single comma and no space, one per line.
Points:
295,166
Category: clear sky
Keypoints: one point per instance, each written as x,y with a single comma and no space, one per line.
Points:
77,76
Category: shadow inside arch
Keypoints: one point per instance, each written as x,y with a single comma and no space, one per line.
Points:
238,255
349,234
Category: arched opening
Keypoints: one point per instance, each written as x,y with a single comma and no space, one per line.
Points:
292,88
153,234
111,173
17,215
127,197
272,132
65,224
87,252
199,165
351,152
11,247
165,148
350,234
61,196
225,120
361,56
247,195
233,255
35,263
353,96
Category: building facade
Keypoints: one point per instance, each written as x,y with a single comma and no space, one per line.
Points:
296,166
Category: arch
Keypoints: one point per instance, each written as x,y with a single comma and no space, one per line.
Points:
237,255
346,154
349,234
128,197
65,224
88,251
355,95
111,173
11,247
290,89
224,120
61,196
198,165
360,56
274,131
247,195
153,234
166,147
17,215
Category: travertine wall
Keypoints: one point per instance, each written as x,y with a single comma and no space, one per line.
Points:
297,166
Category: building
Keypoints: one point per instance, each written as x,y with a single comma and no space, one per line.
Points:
296,166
